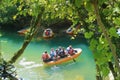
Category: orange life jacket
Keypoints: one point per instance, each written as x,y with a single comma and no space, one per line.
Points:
45,56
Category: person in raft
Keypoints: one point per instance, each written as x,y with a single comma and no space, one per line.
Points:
62,52
70,50
54,55
46,57
47,32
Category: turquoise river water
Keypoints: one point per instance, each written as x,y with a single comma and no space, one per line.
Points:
30,67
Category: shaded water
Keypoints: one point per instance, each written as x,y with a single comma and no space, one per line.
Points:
30,67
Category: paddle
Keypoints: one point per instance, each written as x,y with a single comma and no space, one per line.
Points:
74,60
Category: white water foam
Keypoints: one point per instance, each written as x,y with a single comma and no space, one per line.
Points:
29,64
55,68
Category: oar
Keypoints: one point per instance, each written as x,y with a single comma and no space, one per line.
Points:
74,60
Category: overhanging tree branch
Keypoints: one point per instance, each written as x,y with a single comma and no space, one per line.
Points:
34,28
102,27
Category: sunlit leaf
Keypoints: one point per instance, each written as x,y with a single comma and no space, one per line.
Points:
88,34
14,17
109,56
113,32
20,8
117,21
116,10
72,37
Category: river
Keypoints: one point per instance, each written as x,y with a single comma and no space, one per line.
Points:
30,67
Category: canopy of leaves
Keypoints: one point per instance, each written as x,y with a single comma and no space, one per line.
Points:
7,11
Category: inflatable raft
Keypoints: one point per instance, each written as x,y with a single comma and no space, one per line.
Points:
70,31
23,31
48,33
66,59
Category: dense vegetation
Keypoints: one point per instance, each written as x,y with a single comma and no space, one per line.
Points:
98,18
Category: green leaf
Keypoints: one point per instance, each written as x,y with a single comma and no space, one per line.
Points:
109,56
88,35
113,32
78,3
116,20
116,10
89,7
98,56
105,70
107,12
100,47
93,44
14,17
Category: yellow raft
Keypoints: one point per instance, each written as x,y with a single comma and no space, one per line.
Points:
66,59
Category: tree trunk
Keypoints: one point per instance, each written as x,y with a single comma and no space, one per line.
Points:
112,69
102,27
20,51
34,28
25,44
98,76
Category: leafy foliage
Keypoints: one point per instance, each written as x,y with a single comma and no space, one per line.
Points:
112,32
7,11
88,34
